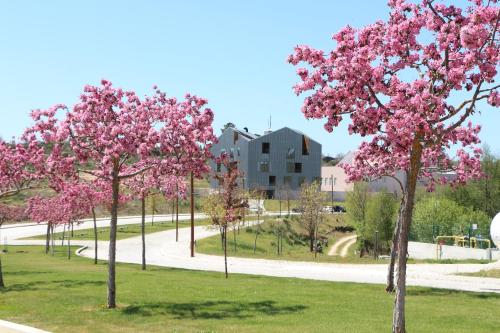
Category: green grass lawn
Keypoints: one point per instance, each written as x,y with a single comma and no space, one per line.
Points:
295,244
492,273
125,231
55,294
273,205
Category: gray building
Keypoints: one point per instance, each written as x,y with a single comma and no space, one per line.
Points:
276,162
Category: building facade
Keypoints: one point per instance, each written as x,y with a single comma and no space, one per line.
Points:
278,162
334,180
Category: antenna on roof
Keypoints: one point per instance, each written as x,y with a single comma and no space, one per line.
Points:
269,130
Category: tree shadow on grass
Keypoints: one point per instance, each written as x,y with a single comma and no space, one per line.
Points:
212,309
49,285
18,273
487,294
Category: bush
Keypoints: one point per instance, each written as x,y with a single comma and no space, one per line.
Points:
435,213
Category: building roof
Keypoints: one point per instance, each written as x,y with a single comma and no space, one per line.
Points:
347,159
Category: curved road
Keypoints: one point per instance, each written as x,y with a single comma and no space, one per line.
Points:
162,250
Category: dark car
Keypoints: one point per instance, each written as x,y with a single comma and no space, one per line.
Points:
339,209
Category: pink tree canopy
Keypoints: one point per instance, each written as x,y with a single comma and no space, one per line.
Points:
399,82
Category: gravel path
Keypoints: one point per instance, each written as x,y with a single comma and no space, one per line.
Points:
162,250
344,243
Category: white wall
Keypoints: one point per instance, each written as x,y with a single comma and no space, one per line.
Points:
418,250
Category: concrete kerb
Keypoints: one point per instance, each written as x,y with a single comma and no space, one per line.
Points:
9,327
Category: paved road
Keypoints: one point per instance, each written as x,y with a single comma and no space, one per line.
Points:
162,250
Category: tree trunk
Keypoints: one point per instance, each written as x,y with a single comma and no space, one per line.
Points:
143,232
390,272
255,240
177,214
280,208
192,213
2,284
311,242
112,241
173,209
69,244
52,245
95,236
257,231
152,210
64,234
398,323
72,234
225,250
47,240
234,236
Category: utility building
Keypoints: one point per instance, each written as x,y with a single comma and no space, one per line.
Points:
278,162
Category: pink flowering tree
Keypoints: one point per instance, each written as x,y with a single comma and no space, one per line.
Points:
409,85
186,139
141,186
233,202
17,167
9,213
172,188
119,136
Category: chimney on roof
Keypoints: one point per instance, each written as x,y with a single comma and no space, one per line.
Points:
246,129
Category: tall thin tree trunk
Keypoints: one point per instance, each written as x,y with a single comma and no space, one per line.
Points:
69,245
64,234
47,239
177,213
72,234
225,250
52,245
398,323
152,210
258,229
143,232
95,236
390,272
173,209
234,236
2,284
112,240
192,213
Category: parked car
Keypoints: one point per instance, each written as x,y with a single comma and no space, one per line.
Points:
328,209
339,209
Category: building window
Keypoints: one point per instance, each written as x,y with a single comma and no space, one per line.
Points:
298,168
231,153
272,180
290,154
265,147
290,167
305,145
302,180
331,180
218,167
238,151
287,180
235,137
264,166
334,181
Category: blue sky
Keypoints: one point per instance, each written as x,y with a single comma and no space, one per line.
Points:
231,52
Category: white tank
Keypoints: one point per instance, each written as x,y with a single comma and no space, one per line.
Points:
495,230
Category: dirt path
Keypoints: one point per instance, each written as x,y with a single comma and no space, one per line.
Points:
342,245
